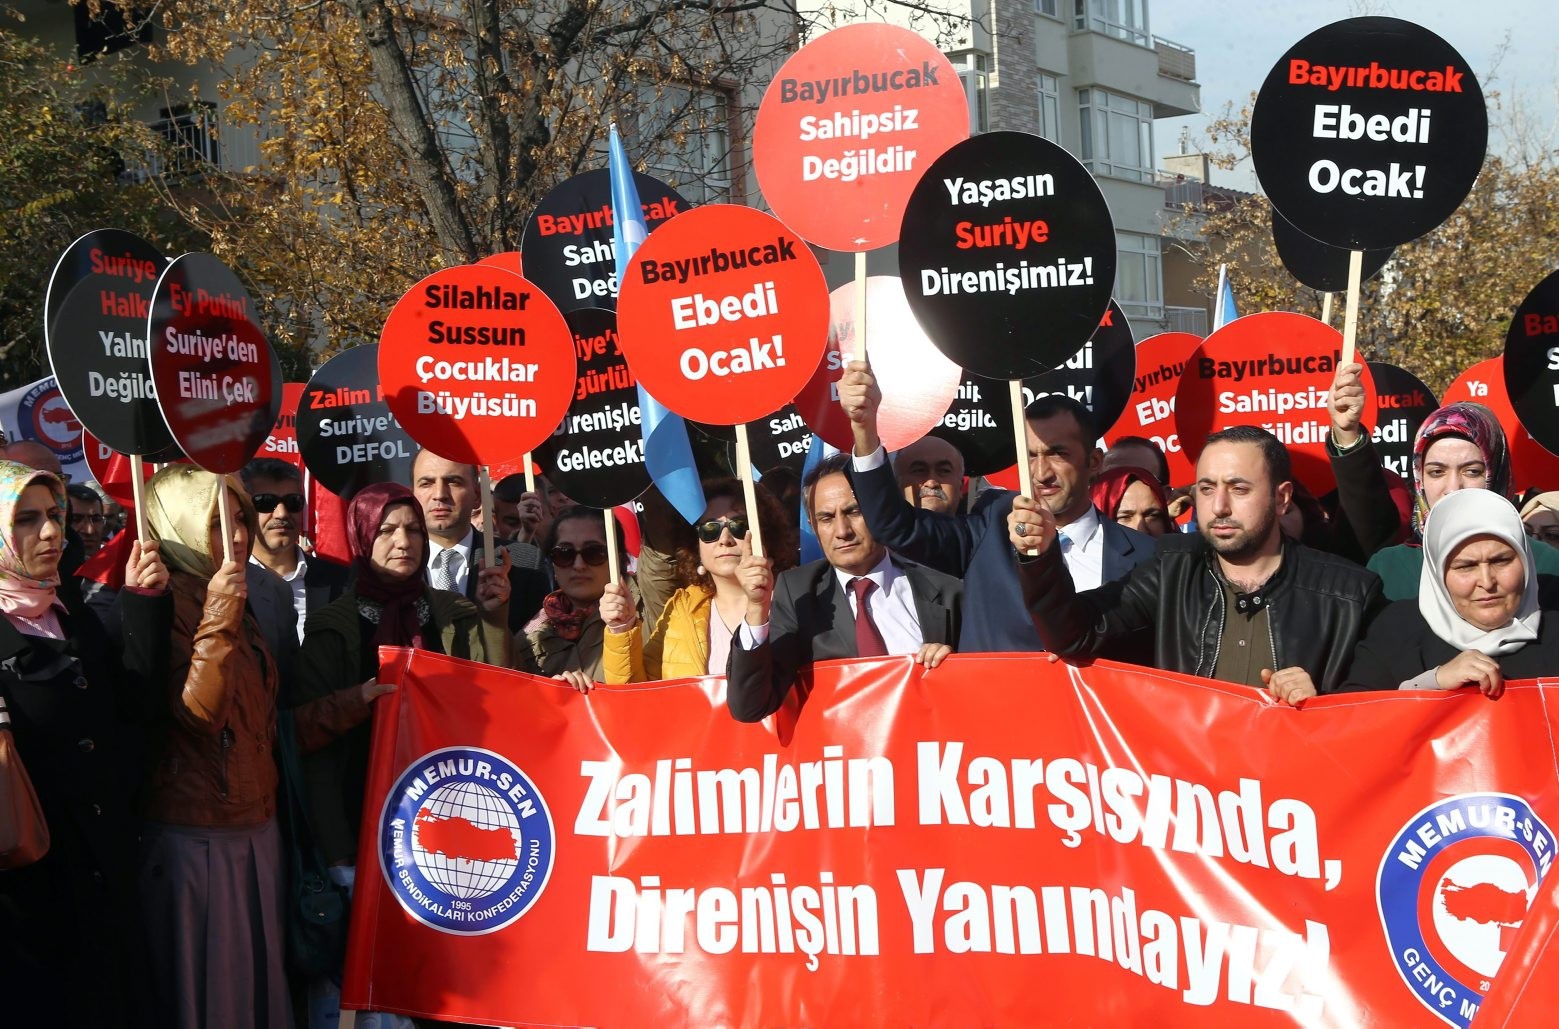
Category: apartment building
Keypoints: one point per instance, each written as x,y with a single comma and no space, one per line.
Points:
1091,76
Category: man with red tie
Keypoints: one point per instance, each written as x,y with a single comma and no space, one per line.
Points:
858,601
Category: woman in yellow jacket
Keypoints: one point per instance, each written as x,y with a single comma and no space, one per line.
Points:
692,636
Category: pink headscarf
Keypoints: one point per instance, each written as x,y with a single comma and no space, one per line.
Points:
27,601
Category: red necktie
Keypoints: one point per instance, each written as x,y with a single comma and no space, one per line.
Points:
868,641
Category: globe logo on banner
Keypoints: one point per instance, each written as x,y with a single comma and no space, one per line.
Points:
44,416
1453,891
465,841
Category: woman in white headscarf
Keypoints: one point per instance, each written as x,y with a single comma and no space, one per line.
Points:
1477,621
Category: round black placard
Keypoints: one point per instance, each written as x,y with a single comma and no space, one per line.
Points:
346,433
1532,363
1007,254
1369,132
1402,402
1320,265
596,455
569,246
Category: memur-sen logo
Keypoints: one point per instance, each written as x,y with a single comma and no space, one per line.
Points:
465,841
1453,891
45,417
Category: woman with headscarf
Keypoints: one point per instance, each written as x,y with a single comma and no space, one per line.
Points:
1476,620
1460,446
211,869
389,604
693,634
1541,516
1132,497
71,938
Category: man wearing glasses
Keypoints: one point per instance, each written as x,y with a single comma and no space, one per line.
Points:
276,488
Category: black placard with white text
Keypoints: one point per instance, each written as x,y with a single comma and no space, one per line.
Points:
1369,132
1532,363
1007,254
1099,376
346,433
95,334
596,455
569,246
1402,402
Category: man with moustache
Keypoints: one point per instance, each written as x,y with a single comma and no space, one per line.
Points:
931,474
1237,601
1063,457
860,600
284,583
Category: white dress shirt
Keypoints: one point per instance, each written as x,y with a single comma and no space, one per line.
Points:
891,604
295,582
1083,550
1083,553
461,560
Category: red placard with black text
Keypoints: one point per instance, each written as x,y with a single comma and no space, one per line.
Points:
1274,370
848,126
724,314
477,364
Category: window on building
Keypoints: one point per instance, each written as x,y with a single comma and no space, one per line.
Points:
683,134
1123,19
1117,134
1049,8
1139,275
975,77
1049,107
190,131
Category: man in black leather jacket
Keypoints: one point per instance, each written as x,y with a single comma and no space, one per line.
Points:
1237,601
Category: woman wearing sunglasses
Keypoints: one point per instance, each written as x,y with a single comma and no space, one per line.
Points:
564,639
692,636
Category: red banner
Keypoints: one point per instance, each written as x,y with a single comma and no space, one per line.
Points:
999,841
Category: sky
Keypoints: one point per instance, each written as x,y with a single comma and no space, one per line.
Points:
1238,41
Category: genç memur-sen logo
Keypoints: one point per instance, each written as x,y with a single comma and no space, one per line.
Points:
466,842
1453,891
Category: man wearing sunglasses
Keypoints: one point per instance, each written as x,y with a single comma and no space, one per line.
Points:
860,600
276,488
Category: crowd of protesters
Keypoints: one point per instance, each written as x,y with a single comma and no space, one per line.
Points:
168,711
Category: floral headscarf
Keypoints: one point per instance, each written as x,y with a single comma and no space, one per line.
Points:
1462,420
21,593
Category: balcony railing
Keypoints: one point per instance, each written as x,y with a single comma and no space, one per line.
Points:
1177,194
196,144
1187,319
1175,61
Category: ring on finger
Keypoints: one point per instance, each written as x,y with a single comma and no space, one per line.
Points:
1023,528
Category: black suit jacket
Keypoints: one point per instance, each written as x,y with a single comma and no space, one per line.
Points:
528,587
810,620
324,582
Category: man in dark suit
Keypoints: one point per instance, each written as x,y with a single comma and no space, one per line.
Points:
448,493
276,488
859,601
1063,457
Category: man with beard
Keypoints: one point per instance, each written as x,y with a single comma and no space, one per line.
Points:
1238,601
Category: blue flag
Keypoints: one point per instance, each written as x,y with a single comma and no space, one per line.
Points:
811,549
667,452
1224,311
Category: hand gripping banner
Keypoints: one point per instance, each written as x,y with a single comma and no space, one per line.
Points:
998,841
